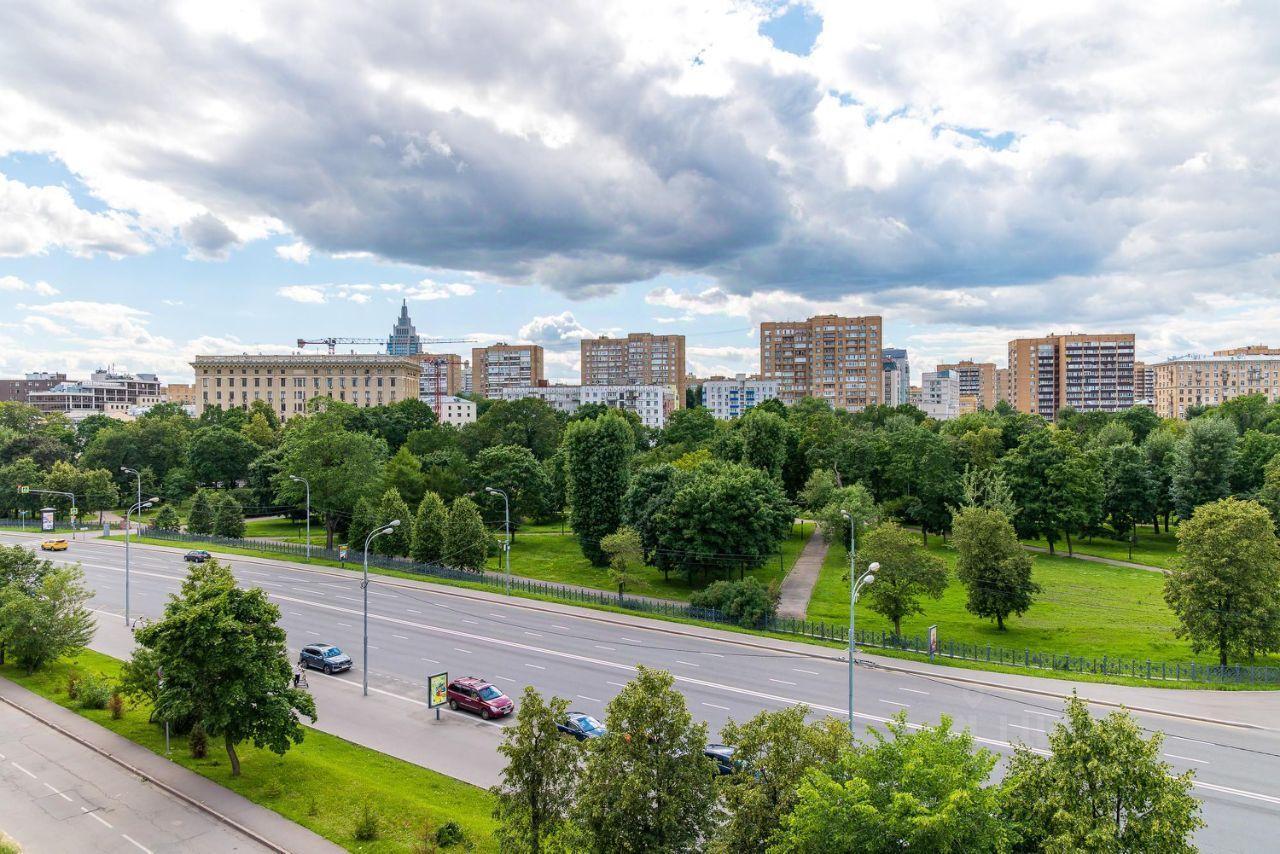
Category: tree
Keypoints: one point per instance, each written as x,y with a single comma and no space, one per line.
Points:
646,785
403,473
200,516
907,572
764,441
650,489
167,519
398,540
98,491
530,423
140,678
854,500
219,455
428,530
466,542
912,790
1111,435
259,431
626,555
1203,461
1140,420
1102,788
596,473
1077,491
519,474
747,603
20,472
1159,448
1224,587
1129,494
44,618
531,804
341,466
1028,469
1254,450
992,565
818,490
225,664
692,427
228,517
774,752
363,521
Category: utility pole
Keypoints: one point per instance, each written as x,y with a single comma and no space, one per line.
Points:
305,483
385,529
855,584
139,507
506,546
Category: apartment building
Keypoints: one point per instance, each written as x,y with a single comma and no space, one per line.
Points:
1144,385
183,394
1003,391
977,380
1090,373
653,403
915,397
1249,350
502,366
641,358
897,376
837,359
107,392
288,382
452,410
16,390
730,398
940,394
467,386
1209,380
441,373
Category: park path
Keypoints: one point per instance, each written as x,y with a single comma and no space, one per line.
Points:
797,587
1095,559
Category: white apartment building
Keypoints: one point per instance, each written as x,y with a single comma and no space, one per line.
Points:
940,395
730,398
561,398
897,376
652,403
452,410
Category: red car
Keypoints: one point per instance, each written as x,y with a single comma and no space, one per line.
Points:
477,695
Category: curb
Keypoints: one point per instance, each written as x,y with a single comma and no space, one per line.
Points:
132,769
668,628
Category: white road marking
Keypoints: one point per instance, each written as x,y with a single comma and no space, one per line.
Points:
606,648
590,699
411,611
535,666
24,770
616,684
463,651
686,663
714,706
56,792
1193,740
561,628
713,654
136,842
349,598
472,622
781,681
377,593
1187,758
345,625
899,705
96,817
294,614
505,678
628,640
430,660
914,691
401,637
808,672
317,634
533,634
1027,728
497,616
1042,714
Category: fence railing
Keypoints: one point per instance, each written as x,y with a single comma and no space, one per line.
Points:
32,526
1026,658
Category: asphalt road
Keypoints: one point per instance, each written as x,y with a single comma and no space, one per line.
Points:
57,795
415,632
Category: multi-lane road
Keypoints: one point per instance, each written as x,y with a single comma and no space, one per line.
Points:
418,628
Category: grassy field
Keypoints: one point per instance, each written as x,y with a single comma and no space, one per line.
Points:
1151,549
1085,608
321,784
281,528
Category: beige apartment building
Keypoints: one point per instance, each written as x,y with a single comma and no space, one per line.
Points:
1003,391
977,380
442,371
837,359
1209,380
181,393
287,383
640,359
1090,373
1144,385
503,366
1249,350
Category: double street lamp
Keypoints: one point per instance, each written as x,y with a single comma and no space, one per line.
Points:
364,585
506,546
137,508
856,583
307,484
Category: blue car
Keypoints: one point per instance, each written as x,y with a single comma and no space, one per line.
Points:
580,726
324,656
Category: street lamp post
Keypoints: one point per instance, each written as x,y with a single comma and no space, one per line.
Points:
139,507
855,584
506,513
364,585
307,484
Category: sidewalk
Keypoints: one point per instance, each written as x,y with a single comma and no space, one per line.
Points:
1095,559
257,823
797,586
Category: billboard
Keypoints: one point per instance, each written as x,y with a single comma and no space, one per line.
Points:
46,518
437,690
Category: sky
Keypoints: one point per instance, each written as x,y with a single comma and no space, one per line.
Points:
188,177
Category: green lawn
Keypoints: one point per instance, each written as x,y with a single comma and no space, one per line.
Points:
1151,549
321,784
280,528
1085,609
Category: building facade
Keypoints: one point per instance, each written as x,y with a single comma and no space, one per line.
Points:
1210,380
561,398
452,410
730,398
1003,391
836,359
441,373
107,392
16,390
653,403
897,376
183,394
1144,385
503,366
1090,373
404,340
287,383
1249,350
940,394
640,359
977,380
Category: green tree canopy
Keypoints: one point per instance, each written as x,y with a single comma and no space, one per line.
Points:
43,615
398,541
992,565
538,786
626,556
219,455
403,473
200,517
597,456
1203,462
466,540
907,572
515,471
428,530
228,517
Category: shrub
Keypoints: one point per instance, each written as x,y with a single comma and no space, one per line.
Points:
450,834
198,742
73,685
747,603
94,692
116,705
367,827
167,519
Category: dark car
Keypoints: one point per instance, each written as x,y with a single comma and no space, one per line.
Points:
722,756
580,726
196,556
324,656
477,695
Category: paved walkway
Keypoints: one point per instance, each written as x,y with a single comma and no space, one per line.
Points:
797,587
1095,559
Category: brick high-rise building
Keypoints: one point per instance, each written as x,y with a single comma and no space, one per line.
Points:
836,359
641,358
505,366
1003,392
440,371
977,380
16,390
1090,373
1144,385
1249,350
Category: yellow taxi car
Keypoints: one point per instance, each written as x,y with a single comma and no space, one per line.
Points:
58,545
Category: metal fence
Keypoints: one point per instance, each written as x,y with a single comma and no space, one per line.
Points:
32,526
1139,669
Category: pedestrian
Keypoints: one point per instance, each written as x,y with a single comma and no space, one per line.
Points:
297,675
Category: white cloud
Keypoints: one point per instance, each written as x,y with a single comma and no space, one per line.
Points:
430,290
555,331
14,284
34,220
310,294
298,252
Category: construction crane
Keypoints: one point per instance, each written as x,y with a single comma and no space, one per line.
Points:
332,343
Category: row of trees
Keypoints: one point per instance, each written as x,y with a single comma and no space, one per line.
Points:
42,609
807,788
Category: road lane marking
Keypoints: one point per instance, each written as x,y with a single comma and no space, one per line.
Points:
714,706
317,634
411,611
95,816
349,598
1027,728
136,842
534,666
628,640
463,651
431,660
1192,740
533,634
591,699
781,681
498,616
294,614
401,637
914,691
1042,714
23,770
472,622
345,625
562,628
899,705
606,648
686,663
1187,758
616,684
56,792
806,672
505,678
377,593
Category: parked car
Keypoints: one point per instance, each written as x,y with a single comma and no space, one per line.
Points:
197,556
59,545
324,656
580,726
722,756
477,695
